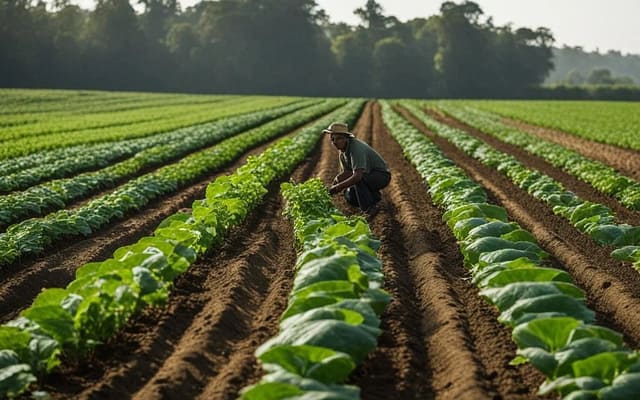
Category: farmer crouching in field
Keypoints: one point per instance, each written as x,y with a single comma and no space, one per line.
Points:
364,172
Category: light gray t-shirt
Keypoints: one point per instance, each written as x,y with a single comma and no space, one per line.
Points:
359,155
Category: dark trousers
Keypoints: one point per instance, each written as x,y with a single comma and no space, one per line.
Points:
367,192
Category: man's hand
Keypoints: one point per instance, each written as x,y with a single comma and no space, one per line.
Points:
334,189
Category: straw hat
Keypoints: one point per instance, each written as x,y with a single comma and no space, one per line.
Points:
338,128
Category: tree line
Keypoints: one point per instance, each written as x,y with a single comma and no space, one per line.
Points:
287,47
575,66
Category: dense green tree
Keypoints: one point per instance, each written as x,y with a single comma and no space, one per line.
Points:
267,46
118,51
463,60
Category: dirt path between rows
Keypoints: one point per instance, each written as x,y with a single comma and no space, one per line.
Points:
439,340
612,288
570,182
624,160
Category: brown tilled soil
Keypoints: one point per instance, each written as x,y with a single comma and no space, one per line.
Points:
439,340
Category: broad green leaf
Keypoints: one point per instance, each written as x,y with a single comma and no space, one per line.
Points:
624,387
539,274
8,357
322,313
502,255
605,234
558,303
550,334
519,235
481,210
50,297
271,391
491,229
319,363
627,253
594,331
357,341
462,228
568,384
582,395
15,379
332,268
579,350
605,366
44,355
145,279
505,296
54,321
481,272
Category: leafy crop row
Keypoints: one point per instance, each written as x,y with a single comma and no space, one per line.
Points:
593,219
57,102
332,319
28,145
552,327
32,236
74,112
22,172
68,323
602,177
59,193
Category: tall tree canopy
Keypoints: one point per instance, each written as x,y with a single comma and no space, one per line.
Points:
267,46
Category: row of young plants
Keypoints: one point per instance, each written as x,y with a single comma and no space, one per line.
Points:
66,324
593,219
28,145
602,177
57,194
552,327
34,235
22,172
332,319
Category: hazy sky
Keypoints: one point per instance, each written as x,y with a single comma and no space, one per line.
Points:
605,25
592,24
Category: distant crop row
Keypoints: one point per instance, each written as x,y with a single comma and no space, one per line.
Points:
602,177
607,122
180,116
593,219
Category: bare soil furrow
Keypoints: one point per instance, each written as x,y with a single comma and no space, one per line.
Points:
624,160
570,182
612,287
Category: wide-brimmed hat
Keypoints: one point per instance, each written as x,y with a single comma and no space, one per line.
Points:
338,128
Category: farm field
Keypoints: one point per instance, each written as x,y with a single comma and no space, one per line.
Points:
440,338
